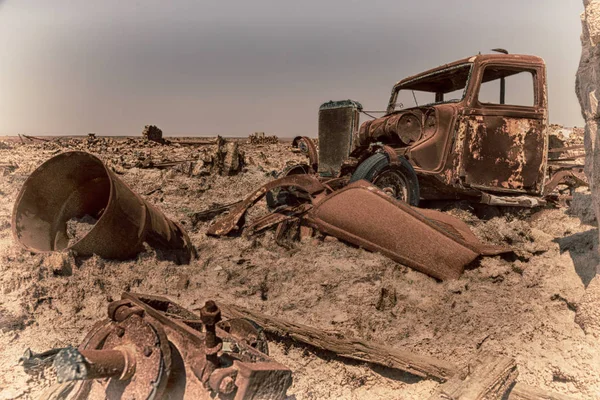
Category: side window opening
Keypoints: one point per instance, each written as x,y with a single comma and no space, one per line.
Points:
519,87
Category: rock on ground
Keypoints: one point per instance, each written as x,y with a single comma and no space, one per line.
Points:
587,88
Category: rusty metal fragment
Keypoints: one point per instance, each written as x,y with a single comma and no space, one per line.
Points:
152,348
212,212
230,223
281,215
575,174
307,146
78,186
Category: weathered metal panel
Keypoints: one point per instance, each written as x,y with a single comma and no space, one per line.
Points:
434,243
504,153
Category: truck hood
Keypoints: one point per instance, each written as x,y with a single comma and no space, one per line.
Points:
400,128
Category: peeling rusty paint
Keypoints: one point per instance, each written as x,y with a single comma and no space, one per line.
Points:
503,154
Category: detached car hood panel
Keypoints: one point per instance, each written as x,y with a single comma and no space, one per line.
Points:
430,242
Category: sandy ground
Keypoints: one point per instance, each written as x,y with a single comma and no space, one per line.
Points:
523,308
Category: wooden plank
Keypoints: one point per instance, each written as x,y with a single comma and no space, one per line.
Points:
525,392
489,379
347,347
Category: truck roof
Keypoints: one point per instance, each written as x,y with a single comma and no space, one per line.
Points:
514,58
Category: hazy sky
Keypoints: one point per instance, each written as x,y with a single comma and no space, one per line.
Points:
235,67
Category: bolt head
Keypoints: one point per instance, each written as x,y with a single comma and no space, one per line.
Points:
210,313
227,385
147,351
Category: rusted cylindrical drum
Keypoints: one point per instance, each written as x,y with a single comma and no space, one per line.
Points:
75,184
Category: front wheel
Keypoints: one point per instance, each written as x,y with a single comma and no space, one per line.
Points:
397,180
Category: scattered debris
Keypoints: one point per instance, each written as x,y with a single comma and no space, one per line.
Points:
391,325
194,142
491,377
90,211
61,263
33,138
260,138
213,211
151,347
426,240
228,158
33,362
8,168
225,159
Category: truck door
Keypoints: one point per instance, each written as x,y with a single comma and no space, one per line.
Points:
505,142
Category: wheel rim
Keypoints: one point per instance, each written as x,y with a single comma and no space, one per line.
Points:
394,184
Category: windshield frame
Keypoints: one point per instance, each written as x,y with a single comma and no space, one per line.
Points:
410,85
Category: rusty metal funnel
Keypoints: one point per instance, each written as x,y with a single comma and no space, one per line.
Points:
76,184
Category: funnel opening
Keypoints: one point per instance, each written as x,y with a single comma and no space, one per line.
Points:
72,187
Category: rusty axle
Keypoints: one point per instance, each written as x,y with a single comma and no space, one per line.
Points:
73,365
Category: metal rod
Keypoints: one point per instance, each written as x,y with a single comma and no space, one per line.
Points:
72,364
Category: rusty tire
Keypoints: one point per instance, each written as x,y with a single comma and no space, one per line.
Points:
398,180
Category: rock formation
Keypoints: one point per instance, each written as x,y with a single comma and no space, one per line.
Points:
588,93
152,132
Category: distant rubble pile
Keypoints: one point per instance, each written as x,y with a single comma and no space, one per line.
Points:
571,139
225,159
261,138
153,133
5,146
561,136
193,158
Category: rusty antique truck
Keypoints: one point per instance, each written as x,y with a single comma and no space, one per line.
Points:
478,130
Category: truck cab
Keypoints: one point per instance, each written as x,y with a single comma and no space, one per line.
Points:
477,125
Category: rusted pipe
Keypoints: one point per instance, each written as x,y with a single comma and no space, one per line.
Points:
72,364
